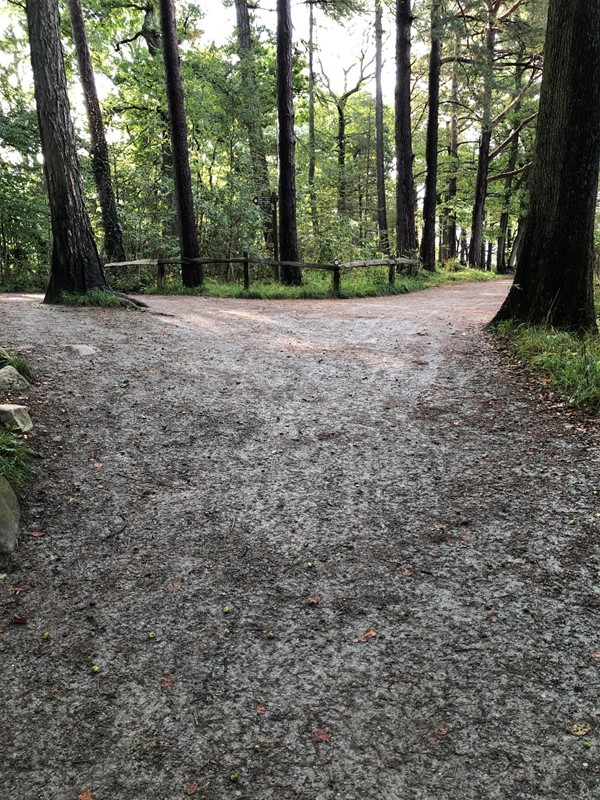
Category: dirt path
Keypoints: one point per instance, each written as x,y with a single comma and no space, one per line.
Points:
332,549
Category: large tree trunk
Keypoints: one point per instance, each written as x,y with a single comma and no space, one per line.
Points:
554,279
287,144
431,150
250,112
384,241
113,237
406,231
191,273
76,266
483,162
449,235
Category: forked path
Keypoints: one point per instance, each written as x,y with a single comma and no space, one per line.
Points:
313,550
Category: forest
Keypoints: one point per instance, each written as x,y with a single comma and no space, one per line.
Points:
464,131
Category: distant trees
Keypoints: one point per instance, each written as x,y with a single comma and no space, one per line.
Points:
553,282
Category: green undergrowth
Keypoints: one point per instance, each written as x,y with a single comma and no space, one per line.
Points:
566,363
95,297
17,362
14,462
318,285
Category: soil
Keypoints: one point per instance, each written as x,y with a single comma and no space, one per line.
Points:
298,549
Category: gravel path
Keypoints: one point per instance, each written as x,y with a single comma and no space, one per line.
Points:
294,549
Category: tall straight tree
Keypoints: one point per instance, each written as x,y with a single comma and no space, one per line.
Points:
554,279
431,152
76,266
113,237
287,145
250,111
406,231
384,240
191,273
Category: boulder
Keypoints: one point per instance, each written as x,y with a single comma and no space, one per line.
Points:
11,379
83,349
10,515
16,417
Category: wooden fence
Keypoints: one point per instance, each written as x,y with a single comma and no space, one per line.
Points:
246,261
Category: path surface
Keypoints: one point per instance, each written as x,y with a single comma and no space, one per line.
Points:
407,544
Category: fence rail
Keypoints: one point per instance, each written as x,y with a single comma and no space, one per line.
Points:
246,261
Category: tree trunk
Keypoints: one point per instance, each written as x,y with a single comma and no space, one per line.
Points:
483,162
450,224
554,279
406,232
250,112
501,262
113,237
76,266
312,141
384,240
342,203
188,236
287,143
431,150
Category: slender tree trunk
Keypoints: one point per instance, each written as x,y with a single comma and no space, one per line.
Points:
287,143
312,140
554,279
113,237
342,202
501,262
384,240
431,151
76,266
250,112
406,232
450,226
483,162
191,273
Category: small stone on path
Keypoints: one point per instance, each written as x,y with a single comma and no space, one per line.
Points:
83,349
16,417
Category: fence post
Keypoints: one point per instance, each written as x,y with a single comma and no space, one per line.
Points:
246,271
160,277
336,280
392,273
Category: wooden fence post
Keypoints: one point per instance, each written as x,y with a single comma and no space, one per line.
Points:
160,277
246,266
336,280
392,273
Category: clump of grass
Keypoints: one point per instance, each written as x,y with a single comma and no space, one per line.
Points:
569,364
14,463
19,363
95,297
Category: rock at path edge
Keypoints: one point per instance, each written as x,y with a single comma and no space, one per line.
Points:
16,417
10,516
10,378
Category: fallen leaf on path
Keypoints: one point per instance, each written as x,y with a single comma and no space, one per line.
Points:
320,735
596,655
16,590
441,729
173,586
369,634
580,729
260,709
191,788
19,619
87,795
313,599
38,533
167,682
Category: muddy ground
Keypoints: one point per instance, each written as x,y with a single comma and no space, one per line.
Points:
298,549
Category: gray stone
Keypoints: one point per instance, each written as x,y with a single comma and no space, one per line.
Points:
16,417
10,516
11,379
83,349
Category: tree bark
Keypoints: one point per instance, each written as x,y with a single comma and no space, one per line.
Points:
251,115
483,161
384,240
406,232
312,139
113,237
431,150
287,143
554,279
76,266
191,273
450,249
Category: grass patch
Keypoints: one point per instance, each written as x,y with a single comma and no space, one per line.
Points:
97,298
317,285
14,462
19,363
568,364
